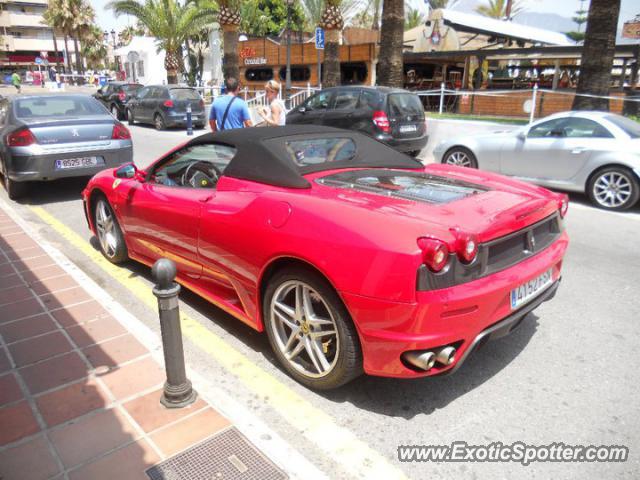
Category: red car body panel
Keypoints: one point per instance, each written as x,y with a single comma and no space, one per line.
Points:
225,240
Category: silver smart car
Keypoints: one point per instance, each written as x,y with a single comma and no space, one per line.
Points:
593,152
47,137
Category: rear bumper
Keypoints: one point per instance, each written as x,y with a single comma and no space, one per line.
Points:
37,167
405,144
180,119
465,315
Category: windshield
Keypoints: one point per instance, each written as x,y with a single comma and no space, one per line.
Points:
320,150
629,126
37,107
401,104
184,94
131,88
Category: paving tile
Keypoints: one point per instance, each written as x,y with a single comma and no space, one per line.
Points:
4,361
31,260
53,284
23,308
77,314
31,460
41,273
150,414
191,430
63,298
72,401
15,294
29,327
20,252
9,389
39,348
96,331
9,229
114,352
16,422
127,463
71,442
133,378
6,268
10,281
21,240
54,372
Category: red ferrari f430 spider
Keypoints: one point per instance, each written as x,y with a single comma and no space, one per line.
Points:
351,256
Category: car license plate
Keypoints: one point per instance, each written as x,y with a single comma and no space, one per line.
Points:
408,128
82,162
530,289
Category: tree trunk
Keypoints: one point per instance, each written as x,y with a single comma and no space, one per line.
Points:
55,46
66,51
79,66
172,61
375,24
597,55
390,64
230,67
331,64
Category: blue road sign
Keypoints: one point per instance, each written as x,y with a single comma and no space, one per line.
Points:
38,60
319,38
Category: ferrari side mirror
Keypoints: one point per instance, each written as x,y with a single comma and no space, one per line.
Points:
128,170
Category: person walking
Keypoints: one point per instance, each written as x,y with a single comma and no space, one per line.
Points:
16,81
229,111
275,114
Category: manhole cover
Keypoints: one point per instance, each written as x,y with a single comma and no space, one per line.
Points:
227,455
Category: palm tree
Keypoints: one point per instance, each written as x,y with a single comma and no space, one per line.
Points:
314,9
499,9
390,65
229,19
435,4
332,22
413,18
60,16
597,55
170,22
82,27
94,49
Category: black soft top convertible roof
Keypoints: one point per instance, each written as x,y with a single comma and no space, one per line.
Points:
260,160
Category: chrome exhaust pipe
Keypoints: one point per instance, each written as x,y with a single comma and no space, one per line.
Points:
422,360
446,355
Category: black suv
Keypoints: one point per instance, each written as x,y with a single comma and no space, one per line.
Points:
166,106
391,115
114,95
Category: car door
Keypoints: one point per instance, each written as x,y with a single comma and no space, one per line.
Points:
311,111
161,215
135,103
342,109
102,94
555,150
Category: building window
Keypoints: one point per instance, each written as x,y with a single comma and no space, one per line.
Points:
258,74
140,68
298,73
353,73
127,69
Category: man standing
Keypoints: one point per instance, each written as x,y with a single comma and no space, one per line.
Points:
16,80
229,111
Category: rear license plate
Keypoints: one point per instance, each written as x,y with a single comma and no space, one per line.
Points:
408,128
530,289
82,162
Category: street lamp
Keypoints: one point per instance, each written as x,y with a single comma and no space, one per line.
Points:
287,84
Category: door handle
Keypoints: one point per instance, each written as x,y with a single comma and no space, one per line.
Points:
205,199
578,150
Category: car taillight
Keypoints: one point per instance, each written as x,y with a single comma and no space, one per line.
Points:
435,253
122,96
120,132
381,121
563,205
168,103
467,248
20,138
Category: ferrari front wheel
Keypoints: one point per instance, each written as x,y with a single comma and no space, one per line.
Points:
310,330
110,236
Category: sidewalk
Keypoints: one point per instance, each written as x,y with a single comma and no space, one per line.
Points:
79,393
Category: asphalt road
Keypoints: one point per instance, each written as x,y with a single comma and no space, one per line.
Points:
569,374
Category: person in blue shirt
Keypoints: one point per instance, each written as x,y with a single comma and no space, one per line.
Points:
230,109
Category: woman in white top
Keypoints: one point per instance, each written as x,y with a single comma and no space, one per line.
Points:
275,114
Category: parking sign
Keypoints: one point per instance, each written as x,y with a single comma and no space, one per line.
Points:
319,38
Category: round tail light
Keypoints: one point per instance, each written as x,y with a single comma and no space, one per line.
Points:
435,253
467,248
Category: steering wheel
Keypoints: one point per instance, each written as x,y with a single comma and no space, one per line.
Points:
204,168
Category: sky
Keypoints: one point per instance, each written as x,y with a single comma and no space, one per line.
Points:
566,8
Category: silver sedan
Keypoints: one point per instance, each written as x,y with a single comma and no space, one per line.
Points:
593,152
46,137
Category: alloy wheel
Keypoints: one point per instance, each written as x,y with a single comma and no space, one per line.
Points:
304,329
159,123
612,189
459,158
105,224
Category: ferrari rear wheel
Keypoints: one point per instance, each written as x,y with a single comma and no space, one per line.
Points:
460,156
110,236
310,330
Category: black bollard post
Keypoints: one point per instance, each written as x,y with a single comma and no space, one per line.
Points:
189,120
178,391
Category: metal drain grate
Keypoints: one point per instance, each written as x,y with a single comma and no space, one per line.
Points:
227,455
